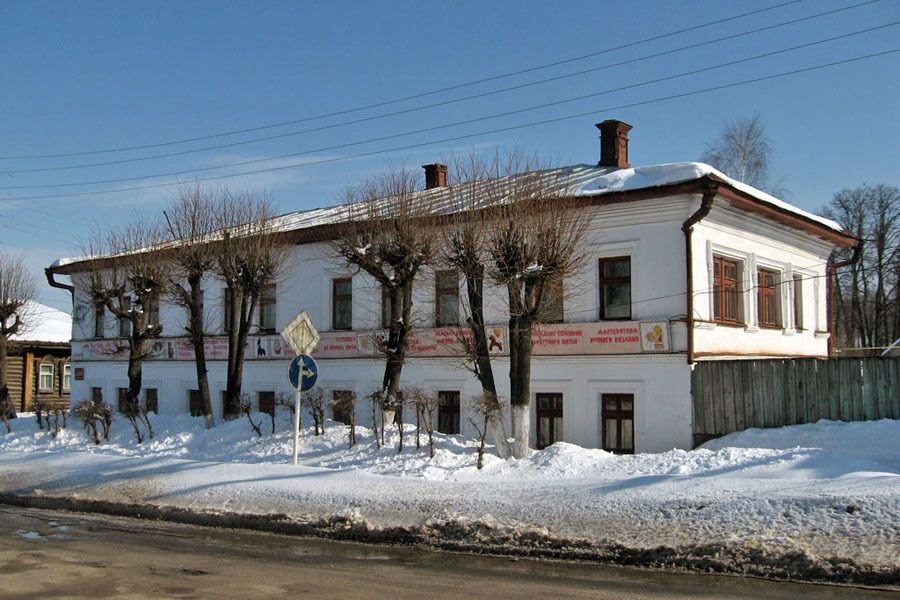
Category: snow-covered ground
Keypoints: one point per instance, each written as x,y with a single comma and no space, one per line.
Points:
809,495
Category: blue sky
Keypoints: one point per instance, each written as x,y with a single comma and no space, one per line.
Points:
92,76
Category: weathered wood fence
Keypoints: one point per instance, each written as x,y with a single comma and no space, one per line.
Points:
733,395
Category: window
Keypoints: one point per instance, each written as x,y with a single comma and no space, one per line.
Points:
340,400
549,419
618,423
152,310
766,299
122,395
267,309
195,403
446,298
266,402
725,290
125,322
228,412
45,381
96,395
227,307
342,304
798,302
67,377
615,288
448,412
385,308
553,302
151,400
99,319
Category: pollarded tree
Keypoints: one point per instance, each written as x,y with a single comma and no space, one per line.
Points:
516,227
17,289
191,221
127,275
535,242
384,233
250,257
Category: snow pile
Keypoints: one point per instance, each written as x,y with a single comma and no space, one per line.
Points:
828,491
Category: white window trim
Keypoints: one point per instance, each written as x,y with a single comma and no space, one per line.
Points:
67,367
41,387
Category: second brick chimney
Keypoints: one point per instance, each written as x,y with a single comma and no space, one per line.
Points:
613,144
435,175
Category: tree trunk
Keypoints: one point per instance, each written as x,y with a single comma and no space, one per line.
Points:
6,403
197,338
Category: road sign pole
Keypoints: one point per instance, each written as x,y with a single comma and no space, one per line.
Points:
296,424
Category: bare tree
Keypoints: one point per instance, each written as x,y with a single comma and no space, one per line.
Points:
383,234
127,275
426,405
17,289
315,401
191,222
344,403
517,227
484,410
249,257
247,410
867,292
93,414
743,151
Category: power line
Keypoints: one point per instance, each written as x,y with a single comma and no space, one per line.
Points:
418,95
457,123
472,135
437,104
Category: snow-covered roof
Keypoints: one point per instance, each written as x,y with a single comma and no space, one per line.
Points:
45,324
582,180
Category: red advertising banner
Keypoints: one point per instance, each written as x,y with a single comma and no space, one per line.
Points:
558,339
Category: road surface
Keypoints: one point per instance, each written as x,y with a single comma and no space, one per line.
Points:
48,554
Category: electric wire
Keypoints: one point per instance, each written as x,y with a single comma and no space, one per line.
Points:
422,94
455,124
456,100
476,134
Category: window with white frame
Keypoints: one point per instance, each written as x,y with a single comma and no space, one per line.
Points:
45,379
67,377
797,289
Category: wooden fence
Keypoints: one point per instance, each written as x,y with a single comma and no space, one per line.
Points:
734,395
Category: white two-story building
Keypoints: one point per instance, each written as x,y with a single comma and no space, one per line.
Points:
684,264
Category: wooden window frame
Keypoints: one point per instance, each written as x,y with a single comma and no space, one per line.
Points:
266,405
152,310
99,320
121,397
195,403
385,308
445,291
551,413
449,406
227,303
726,291
338,298
338,414
151,405
97,394
798,301
52,375
767,298
604,281
554,294
618,415
125,324
264,303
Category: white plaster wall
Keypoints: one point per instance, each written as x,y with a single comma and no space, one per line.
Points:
760,244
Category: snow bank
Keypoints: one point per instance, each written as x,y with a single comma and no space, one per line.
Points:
828,491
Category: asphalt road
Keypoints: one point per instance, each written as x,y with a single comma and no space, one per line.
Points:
47,554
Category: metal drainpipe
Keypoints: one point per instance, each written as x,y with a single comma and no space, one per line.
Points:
53,283
829,290
706,204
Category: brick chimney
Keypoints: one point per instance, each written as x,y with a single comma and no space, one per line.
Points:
613,144
435,175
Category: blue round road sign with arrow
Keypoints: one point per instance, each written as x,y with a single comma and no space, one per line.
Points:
303,372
